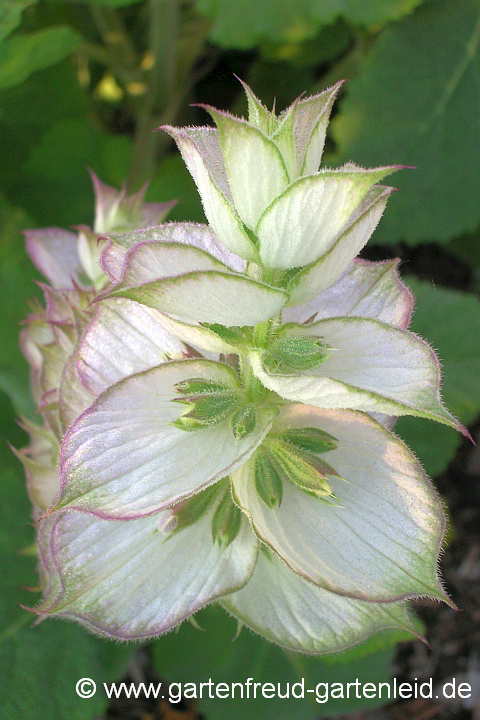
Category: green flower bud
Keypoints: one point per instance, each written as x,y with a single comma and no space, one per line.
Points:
209,403
268,478
312,440
295,353
226,521
304,469
189,511
244,421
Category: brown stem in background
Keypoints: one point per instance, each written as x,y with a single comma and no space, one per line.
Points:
163,28
114,34
177,38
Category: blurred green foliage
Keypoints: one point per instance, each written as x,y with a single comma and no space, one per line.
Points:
22,54
39,666
216,651
11,15
245,23
414,103
84,84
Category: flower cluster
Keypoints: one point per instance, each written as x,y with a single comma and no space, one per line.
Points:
217,401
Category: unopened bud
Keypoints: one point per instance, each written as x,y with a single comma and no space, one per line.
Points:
226,521
310,439
188,511
307,472
268,479
244,421
295,353
209,403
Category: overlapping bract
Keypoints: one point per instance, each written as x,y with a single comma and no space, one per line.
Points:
209,428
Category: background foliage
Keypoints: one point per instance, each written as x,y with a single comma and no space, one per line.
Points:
84,84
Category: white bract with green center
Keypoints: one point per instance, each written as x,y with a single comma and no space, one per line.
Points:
220,410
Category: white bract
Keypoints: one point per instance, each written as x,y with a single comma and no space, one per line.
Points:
216,419
67,258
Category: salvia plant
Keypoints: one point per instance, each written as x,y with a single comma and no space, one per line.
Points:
218,399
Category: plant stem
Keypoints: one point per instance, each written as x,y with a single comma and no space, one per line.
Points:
164,28
253,387
114,34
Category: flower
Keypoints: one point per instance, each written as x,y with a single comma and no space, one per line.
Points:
222,407
67,258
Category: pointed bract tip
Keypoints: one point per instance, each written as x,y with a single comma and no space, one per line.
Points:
28,609
48,513
211,109
93,175
462,429
448,601
166,128
242,82
424,640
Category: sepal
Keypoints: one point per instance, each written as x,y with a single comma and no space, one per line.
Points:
123,458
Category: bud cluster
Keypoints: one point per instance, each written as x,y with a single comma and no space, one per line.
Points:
216,400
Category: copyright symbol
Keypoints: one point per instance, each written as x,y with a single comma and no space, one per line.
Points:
86,688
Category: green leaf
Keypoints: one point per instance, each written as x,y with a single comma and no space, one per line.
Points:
110,3
56,170
194,656
434,445
416,102
11,15
40,666
329,43
171,181
28,110
368,13
16,534
450,321
245,23
467,248
22,55
45,145
16,286
276,83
